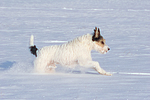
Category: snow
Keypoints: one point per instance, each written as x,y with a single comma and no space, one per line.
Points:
123,23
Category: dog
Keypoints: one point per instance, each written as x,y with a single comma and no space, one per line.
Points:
70,54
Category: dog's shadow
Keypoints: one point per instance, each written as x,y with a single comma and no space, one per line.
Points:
77,70
6,65
85,72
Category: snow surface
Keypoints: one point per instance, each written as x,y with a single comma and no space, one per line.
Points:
125,24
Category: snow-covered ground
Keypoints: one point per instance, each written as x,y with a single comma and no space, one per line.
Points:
125,24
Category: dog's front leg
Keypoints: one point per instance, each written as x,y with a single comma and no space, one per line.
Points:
100,70
95,65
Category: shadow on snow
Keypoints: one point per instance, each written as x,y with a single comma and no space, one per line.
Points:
6,65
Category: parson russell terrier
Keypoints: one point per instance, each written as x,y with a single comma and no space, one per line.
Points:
70,54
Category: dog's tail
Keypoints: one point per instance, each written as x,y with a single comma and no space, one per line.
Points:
33,47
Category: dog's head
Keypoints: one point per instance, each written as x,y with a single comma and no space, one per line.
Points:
99,42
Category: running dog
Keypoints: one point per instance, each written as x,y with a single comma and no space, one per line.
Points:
71,54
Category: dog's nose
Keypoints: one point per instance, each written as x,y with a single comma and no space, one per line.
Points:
108,49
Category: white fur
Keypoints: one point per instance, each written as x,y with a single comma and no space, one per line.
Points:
32,40
75,52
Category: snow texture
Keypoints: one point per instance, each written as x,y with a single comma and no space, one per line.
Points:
125,24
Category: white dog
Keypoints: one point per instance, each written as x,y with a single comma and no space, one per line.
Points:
75,52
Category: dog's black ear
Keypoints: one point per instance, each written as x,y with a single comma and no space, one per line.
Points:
96,36
99,31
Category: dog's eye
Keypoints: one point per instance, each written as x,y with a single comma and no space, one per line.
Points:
102,42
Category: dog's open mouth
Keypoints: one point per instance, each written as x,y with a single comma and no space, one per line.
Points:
104,51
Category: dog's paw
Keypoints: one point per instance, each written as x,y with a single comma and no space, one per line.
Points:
108,74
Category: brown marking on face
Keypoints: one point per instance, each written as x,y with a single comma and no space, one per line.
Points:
101,42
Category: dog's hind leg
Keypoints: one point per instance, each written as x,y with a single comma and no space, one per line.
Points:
94,65
50,68
41,65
